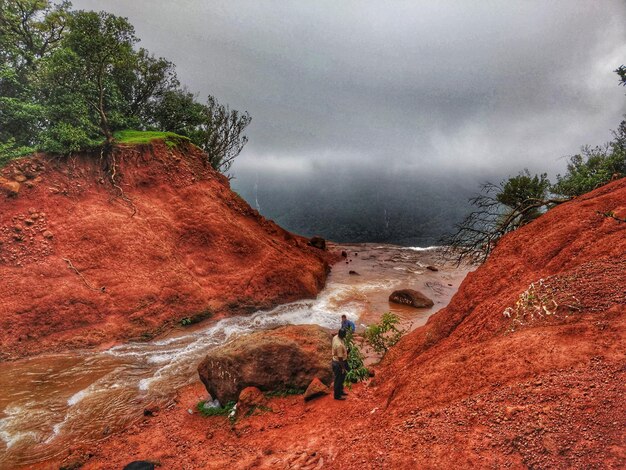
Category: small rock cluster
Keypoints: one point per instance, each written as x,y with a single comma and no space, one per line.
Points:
25,239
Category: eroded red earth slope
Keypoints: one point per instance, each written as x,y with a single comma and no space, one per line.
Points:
84,262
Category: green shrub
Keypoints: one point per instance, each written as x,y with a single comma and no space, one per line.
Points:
593,167
358,372
384,334
10,151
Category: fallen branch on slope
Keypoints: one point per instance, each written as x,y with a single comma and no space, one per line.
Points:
73,268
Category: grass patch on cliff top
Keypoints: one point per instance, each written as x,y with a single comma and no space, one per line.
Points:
145,137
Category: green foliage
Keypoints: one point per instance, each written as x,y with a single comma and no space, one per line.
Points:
520,190
358,372
384,334
500,209
70,78
225,410
147,80
177,111
621,71
213,127
20,116
145,137
88,69
593,167
10,151
222,135
67,137
30,29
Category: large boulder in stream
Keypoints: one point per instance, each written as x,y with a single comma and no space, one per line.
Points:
411,297
287,357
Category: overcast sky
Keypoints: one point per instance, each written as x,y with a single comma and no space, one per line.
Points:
399,86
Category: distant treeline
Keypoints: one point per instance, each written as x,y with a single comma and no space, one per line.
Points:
70,79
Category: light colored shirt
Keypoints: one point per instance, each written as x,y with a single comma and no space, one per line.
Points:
340,353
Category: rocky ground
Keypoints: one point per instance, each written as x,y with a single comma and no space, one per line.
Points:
560,419
526,368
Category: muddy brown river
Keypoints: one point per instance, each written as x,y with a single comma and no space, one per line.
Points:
50,403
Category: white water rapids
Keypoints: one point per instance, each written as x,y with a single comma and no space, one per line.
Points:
51,402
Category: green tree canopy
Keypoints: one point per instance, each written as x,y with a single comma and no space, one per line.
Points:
88,71
522,192
29,31
70,79
222,134
591,168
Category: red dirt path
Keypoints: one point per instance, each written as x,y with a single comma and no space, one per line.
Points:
491,381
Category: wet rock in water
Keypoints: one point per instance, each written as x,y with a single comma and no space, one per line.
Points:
354,273
432,268
288,357
315,389
318,242
411,297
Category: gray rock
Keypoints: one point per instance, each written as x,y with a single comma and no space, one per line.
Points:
411,297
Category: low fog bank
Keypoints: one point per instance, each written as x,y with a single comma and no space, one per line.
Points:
349,206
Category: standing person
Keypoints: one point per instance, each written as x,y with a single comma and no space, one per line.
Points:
347,324
340,363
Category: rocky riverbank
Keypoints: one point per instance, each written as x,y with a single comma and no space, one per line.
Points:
492,380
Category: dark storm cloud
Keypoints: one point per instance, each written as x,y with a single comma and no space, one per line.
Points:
400,86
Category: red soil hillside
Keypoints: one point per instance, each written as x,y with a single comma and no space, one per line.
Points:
492,381
527,364
84,262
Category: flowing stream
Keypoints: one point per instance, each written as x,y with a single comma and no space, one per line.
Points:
51,402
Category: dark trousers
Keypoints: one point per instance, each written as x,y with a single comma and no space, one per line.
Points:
340,376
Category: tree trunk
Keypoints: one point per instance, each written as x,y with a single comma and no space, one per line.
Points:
104,122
